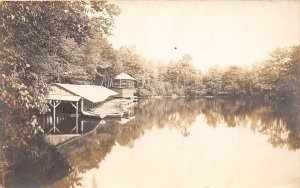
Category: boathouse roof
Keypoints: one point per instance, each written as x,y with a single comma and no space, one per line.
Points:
124,76
74,92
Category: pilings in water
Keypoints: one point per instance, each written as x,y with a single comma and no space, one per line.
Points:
54,104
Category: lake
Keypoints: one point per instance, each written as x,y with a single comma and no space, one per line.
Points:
201,143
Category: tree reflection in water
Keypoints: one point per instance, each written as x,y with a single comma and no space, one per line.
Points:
42,166
278,120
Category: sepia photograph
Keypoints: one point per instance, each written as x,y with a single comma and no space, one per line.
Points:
150,94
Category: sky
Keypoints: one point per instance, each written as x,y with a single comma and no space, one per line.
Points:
213,32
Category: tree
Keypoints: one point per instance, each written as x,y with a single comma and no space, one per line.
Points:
37,45
136,66
182,76
36,31
213,81
291,73
233,81
101,59
279,75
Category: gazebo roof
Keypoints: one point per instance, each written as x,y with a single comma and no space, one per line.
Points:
124,76
92,93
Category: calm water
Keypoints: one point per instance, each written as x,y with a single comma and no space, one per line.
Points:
179,143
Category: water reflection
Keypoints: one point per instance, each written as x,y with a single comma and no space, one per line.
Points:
33,164
279,122
69,130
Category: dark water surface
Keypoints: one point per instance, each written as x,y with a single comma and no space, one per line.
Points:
177,143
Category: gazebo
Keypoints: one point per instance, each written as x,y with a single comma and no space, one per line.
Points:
124,85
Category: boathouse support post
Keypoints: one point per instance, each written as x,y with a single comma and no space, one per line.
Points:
77,117
77,114
54,115
54,105
81,122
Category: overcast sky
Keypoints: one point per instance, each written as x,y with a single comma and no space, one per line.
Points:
212,32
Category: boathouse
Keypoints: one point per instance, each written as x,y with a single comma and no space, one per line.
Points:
124,85
82,97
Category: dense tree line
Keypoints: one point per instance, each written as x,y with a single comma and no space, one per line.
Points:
276,77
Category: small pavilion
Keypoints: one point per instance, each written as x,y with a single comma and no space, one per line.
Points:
124,85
